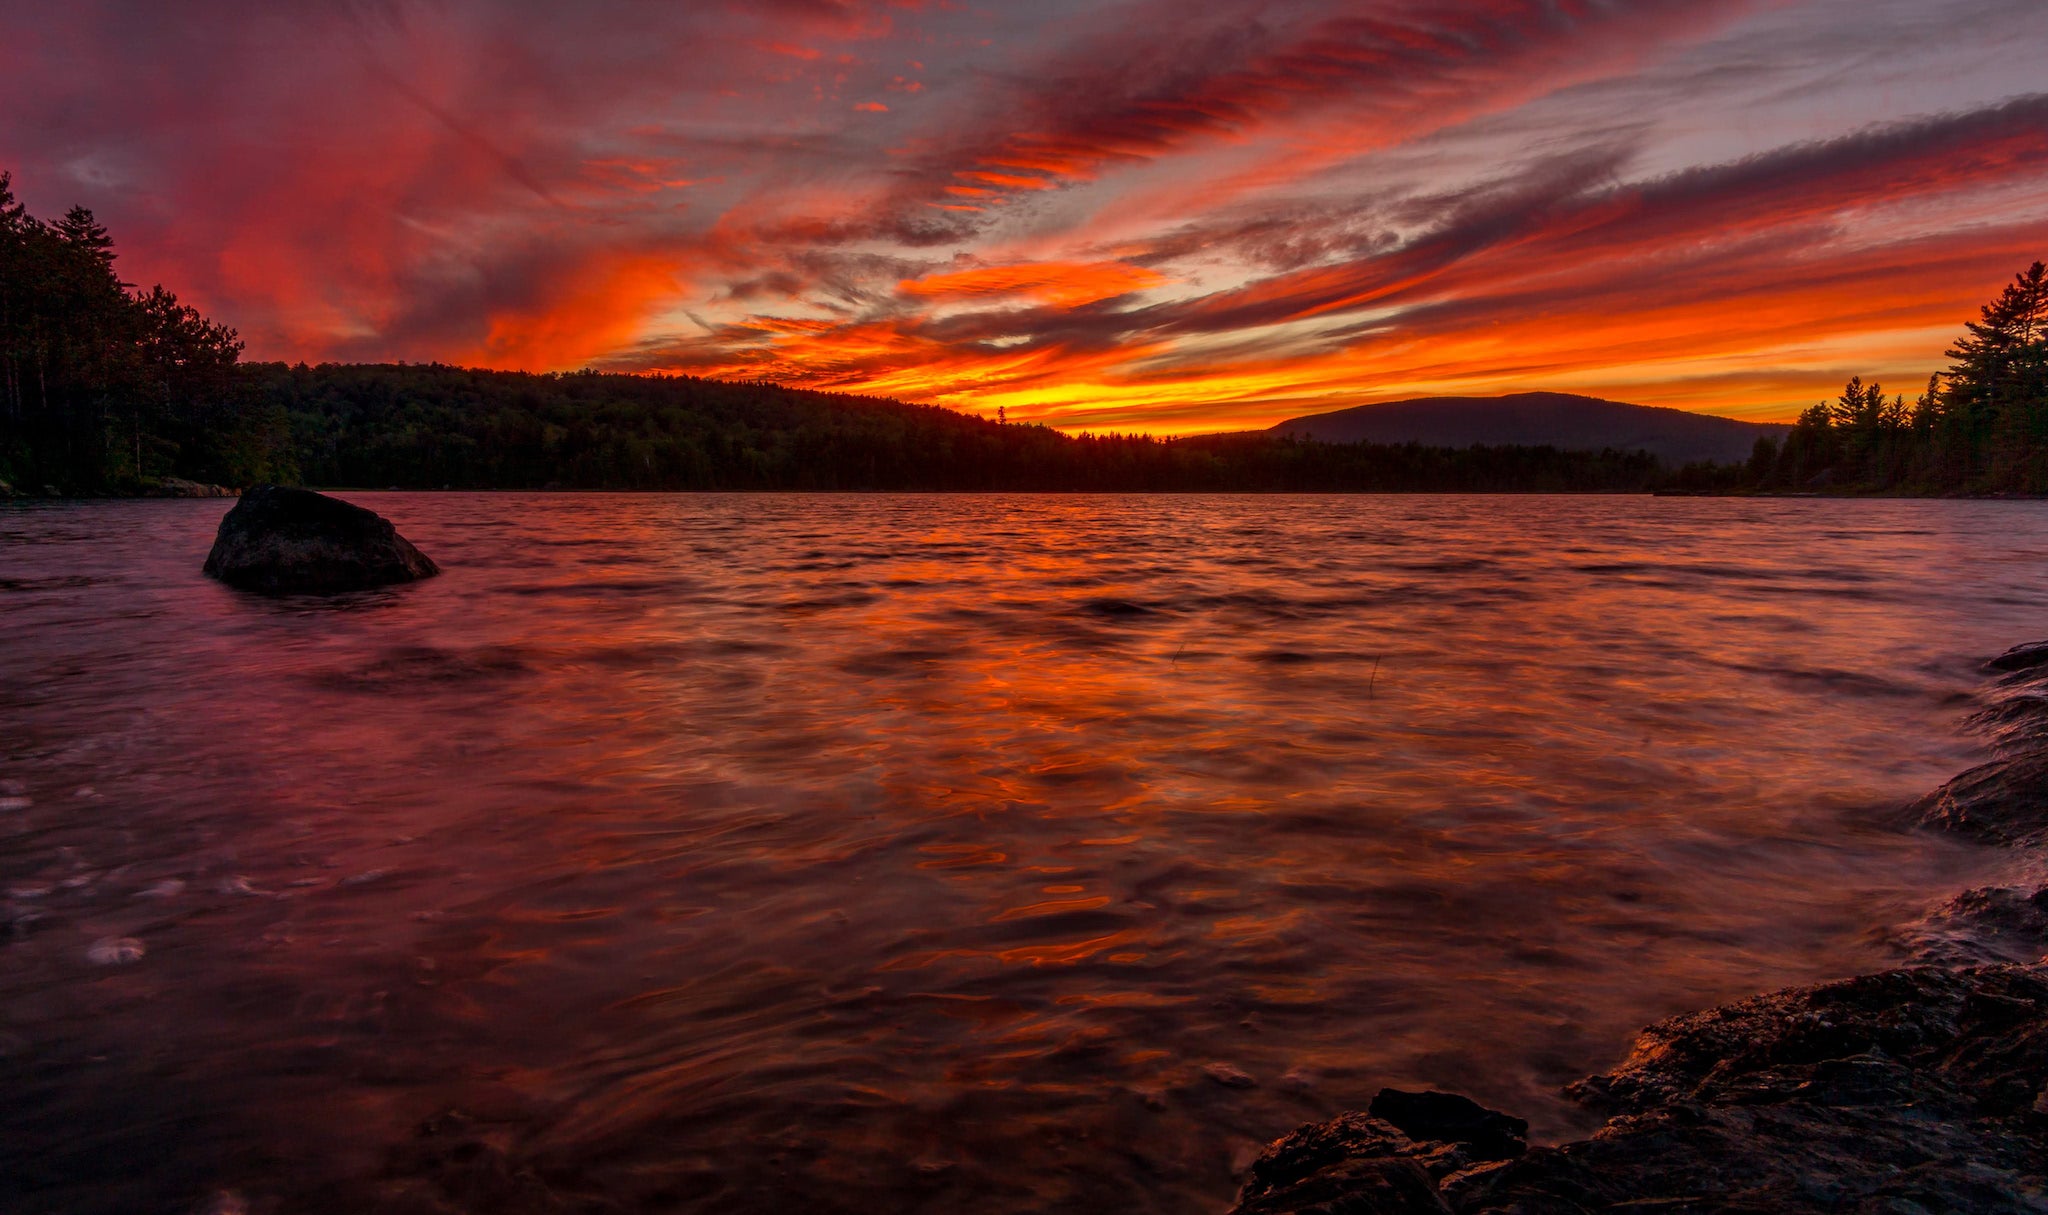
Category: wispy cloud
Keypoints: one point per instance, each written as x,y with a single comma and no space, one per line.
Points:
1139,214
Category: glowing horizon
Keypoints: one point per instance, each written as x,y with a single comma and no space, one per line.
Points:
1129,216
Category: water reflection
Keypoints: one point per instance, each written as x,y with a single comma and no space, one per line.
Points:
913,853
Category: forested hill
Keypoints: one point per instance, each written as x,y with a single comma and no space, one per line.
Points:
433,426
1558,419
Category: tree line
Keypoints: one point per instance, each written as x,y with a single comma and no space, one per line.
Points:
435,426
1980,427
108,389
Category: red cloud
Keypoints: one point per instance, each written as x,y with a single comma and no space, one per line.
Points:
1133,222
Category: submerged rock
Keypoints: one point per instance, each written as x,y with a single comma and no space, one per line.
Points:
1986,924
1910,1090
281,541
115,951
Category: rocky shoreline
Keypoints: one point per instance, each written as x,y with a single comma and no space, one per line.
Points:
159,487
1919,1089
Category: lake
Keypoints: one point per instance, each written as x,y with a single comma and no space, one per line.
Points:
934,853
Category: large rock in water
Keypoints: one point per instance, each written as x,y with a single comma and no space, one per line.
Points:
282,541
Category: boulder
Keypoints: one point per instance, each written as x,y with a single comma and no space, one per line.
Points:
286,541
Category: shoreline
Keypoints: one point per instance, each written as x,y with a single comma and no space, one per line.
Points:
176,488
219,491
1919,1088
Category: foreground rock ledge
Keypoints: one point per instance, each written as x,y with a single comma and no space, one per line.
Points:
1908,1092
294,541
1915,1090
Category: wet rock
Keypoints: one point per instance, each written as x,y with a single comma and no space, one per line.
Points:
2021,658
2004,801
1352,1163
1488,1134
282,541
1915,1090
1908,1090
1988,924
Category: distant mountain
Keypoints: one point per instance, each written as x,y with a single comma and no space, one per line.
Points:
1538,419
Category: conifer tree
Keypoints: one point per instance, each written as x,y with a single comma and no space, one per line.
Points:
2001,367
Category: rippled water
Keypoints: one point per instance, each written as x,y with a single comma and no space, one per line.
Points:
934,853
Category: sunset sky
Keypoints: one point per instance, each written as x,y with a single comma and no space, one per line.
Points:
1140,215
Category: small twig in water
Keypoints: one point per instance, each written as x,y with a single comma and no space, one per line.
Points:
1177,653
1375,675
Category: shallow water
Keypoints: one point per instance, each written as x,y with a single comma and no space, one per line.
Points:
922,853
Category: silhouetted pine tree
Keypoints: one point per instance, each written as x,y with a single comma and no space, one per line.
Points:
1998,385
1981,427
101,387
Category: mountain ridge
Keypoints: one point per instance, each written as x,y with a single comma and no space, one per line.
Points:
1568,421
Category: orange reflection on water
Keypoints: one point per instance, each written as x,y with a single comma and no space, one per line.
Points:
961,851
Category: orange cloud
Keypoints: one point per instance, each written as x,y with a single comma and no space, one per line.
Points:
1063,284
601,306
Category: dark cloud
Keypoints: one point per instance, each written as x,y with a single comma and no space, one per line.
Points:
1562,213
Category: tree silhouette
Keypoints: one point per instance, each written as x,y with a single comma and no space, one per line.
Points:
101,387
